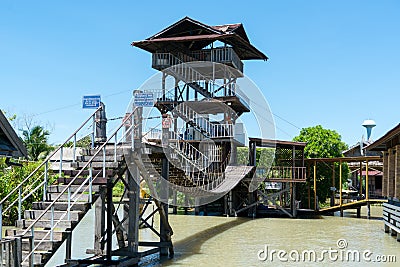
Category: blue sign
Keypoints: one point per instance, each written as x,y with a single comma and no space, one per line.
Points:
91,101
144,100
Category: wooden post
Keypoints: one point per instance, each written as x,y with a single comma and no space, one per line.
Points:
340,188
315,185
360,182
366,181
293,187
309,186
100,222
333,186
134,198
359,212
163,225
109,218
367,191
68,247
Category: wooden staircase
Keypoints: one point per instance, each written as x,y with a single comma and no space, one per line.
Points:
72,204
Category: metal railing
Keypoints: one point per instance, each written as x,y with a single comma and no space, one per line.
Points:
27,188
189,155
211,130
84,190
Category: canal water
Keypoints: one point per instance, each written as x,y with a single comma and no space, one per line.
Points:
222,241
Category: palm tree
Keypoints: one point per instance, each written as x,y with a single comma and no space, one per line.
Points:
35,140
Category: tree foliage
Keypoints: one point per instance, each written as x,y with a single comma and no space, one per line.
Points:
36,142
324,143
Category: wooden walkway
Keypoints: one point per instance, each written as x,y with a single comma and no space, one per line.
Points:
352,205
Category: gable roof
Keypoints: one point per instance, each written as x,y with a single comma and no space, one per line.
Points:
10,143
190,34
389,140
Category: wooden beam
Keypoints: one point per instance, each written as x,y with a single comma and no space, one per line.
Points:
315,185
340,188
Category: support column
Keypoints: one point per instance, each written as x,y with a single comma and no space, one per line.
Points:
385,174
367,190
100,222
333,186
391,177
340,188
133,216
109,218
360,182
164,229
397,173
315,185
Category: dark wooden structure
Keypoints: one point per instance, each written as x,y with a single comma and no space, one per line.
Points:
276,173
204,63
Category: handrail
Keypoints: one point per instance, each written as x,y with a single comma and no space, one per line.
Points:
76,176
212,130
48,158
67,188
188,151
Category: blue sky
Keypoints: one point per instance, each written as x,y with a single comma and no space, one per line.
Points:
333,63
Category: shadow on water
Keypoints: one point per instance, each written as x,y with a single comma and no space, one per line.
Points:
192,244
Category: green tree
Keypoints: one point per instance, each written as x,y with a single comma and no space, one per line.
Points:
323,143
36,142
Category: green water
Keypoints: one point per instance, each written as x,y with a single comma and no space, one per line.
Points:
222,241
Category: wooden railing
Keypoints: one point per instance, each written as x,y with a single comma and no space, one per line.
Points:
225,55
391,218
282,173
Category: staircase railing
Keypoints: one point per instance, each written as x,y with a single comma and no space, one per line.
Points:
24,189
188,74
88,182
191,155
25,192
211,130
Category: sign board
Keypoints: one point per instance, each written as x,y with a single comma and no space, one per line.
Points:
166,123
91,101
144,99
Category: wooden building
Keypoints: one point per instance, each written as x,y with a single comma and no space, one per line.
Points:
389,145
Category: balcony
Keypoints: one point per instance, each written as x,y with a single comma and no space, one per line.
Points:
224,55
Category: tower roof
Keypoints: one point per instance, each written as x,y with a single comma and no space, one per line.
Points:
189,35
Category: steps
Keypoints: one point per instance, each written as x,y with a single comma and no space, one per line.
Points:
47,241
